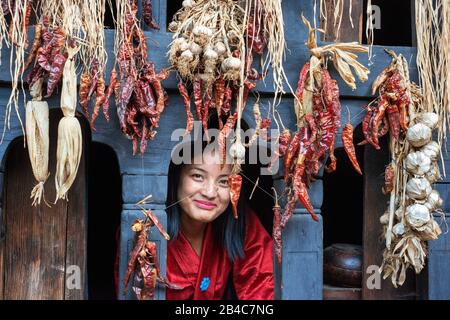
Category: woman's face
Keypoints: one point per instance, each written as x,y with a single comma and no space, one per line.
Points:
203,189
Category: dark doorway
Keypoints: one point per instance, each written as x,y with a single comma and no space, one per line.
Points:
105,207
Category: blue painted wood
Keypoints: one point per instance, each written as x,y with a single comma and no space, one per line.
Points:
301,270
126,245
438,262
136,187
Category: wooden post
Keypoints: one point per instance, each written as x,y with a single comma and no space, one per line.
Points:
347,32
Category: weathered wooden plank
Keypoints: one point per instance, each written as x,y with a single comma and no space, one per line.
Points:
350,30
36,236
302,260
375,203
438,262
77,224
126,245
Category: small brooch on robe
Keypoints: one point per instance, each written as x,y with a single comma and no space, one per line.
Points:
205,284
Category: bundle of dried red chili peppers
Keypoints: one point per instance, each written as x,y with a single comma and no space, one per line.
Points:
143,260
318,113
48,49
389,112
139,95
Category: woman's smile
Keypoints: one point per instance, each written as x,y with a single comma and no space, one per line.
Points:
207,205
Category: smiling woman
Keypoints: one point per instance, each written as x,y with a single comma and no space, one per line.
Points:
208,244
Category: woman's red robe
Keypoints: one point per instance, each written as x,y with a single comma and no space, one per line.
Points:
205,277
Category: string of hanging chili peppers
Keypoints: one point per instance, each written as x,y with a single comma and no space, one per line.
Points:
318,113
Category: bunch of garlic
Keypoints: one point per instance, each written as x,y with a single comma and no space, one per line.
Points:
421,164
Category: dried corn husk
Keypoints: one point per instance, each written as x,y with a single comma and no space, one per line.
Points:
69,149
36,126
343,57
68,155
430,231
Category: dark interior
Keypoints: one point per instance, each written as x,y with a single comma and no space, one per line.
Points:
105,207
396,18
172,7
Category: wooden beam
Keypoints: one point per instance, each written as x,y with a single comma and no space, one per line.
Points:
350,29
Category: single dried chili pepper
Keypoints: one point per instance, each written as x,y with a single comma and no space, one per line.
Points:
347,142
283,142
111,86
235,184
366,126
219,87
402,107
34,47
332,166
288,209
99,100
42,59
205,114
55,74
27,22
388,179
379,115
198,101
300,188
147,14
94,77
160,97
149,214
187,107
248,86
143,144
302,81
393,116
223,135
227,103
276,231
290,153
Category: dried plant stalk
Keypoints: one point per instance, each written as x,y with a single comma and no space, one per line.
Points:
433,59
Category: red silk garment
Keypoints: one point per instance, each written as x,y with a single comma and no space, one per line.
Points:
252,275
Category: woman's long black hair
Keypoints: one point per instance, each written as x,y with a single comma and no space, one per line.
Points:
228,231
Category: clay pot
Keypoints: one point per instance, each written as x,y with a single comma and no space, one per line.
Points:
342,265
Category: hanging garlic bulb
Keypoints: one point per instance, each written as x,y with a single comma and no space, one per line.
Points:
434,201
417,163
430,119
418,135
432,150
220,48
418,188
384,219
210,54
430,231
398,229
433,175
417,215
187,55
195,48
187,4
237,151
231,63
